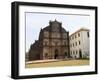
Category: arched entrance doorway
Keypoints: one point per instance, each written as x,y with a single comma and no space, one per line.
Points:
56,54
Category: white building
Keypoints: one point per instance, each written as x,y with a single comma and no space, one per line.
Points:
79,44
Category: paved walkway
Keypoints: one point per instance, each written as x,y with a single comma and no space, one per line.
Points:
42,61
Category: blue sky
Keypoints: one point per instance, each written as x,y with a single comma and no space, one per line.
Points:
36,21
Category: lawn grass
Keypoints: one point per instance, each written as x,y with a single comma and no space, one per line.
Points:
58,63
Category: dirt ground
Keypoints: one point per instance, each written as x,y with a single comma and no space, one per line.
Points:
57,63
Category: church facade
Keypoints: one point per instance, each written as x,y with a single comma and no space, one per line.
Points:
53,43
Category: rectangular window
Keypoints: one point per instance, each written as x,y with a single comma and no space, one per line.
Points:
79,42
87,34
78,34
